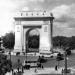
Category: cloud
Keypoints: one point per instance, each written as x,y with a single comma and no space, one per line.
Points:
8,9
68,32
36,0
6,20
60,25
25,9
65,15
60,10
65,19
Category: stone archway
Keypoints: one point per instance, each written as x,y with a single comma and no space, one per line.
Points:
25,21
32,40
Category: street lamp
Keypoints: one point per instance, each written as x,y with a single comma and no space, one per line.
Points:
51,28
66,70
26,50
65,62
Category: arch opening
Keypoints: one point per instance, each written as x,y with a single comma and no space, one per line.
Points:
32,38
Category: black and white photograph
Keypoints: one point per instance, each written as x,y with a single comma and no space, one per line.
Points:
37,37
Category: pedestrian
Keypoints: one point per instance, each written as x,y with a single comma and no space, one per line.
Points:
62,70
18,69
12,71
42,67
35,70
56,68
22,69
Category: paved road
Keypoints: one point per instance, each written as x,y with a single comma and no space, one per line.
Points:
50,63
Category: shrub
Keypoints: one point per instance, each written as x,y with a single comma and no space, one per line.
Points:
5,65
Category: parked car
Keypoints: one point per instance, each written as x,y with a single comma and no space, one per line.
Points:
18,53
42,59
60,57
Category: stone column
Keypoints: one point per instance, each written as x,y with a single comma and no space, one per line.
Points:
51,28
18,41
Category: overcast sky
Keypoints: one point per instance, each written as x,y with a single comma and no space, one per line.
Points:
63,11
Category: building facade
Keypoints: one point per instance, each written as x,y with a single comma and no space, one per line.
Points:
33,31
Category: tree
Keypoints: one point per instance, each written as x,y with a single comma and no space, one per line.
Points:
5,65
0,41
59,41
64,42
72,43
9,40
33,41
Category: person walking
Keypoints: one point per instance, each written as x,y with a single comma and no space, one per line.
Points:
56,68
35,70
42,67
12,71
22,69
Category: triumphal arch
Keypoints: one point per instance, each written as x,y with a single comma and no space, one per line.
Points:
33,31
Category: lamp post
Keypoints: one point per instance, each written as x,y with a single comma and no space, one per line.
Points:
51,30
65,63
26,50
10,53
66,70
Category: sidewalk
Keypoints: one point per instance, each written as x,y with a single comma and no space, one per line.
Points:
44,71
